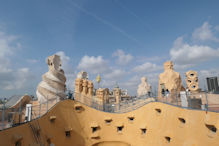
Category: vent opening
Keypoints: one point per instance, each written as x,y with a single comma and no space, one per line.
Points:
191,74
158,110
131,118
143,131
168,139
120,128
18,143
52,119
182,120
108,121
48,141
211,128
78,108
94,129
67,133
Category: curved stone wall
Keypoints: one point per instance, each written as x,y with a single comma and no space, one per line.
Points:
70,123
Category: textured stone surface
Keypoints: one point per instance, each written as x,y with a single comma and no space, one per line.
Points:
170,80
83,86
84,89
117,94
194,131
192,81
53,82
144,88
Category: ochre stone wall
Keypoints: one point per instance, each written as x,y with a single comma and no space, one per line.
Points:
156,124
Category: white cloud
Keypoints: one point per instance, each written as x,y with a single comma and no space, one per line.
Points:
187,55
11,79
65,59
18,79
123,59
204,33
8,44
115,74
93,64
146,67
98,65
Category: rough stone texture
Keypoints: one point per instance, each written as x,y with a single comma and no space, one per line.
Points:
194,132
100,95
53,82
83,86
192,81
106,95
170,80
144,88
117,94
84,90
78,85
90,88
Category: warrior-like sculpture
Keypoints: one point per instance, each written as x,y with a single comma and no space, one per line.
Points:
169,82
144,88
53,82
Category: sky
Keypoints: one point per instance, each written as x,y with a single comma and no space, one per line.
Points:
122,40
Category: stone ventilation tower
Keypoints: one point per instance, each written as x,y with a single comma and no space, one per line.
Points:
192,81
144,88
83,86
53,82
117,93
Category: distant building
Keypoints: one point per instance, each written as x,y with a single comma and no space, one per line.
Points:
213,84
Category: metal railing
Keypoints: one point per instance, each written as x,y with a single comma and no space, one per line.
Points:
10,117
200,100
120,107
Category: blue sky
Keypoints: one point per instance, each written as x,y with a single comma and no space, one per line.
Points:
120,39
